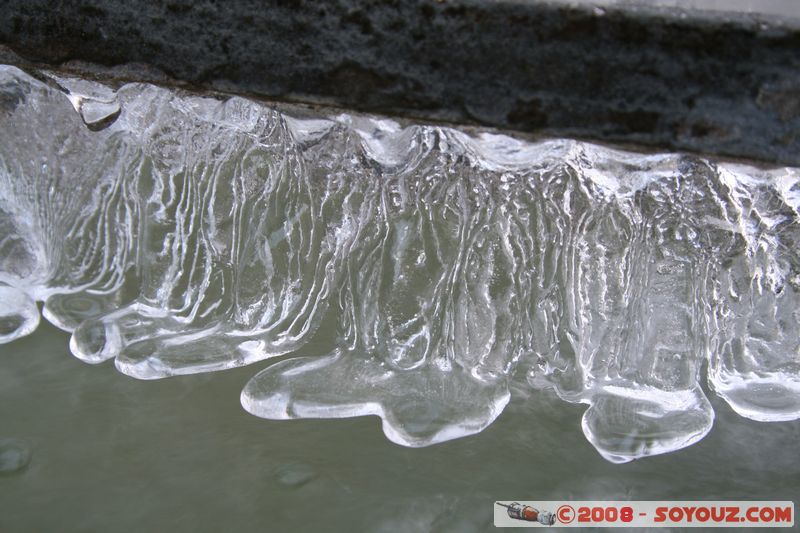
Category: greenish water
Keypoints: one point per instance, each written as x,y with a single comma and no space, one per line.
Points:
110,453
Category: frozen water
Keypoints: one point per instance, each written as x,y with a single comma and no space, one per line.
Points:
18,314
180,234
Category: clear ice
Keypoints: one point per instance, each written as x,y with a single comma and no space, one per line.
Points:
179,234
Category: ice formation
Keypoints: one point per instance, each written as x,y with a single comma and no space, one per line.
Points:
177,234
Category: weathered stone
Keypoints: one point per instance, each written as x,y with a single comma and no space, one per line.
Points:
724,84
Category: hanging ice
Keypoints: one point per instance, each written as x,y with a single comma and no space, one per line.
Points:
180,234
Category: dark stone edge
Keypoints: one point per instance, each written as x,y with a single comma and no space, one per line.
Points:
727,85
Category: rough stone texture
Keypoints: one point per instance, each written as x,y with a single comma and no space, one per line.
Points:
718,84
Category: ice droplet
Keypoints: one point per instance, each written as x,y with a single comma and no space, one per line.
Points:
96,104
18,314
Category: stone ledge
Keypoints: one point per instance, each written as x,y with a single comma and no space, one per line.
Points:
726,85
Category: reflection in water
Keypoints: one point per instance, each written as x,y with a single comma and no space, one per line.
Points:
180,234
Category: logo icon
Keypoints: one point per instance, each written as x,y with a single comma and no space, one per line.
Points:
566,514
518,511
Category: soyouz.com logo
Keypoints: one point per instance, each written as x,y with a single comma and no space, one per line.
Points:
644,514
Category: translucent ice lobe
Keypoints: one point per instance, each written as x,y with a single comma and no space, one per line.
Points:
614,325
417,408
239,240
179,234
429,312
650,378
18,314
755,365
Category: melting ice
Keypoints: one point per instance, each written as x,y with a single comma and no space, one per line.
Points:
179,234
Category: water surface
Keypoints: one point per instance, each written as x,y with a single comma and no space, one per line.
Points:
111,453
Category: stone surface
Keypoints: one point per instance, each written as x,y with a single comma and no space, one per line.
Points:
725,84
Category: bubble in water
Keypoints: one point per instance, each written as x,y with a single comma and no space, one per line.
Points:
14,456
294,475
